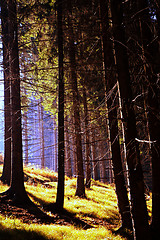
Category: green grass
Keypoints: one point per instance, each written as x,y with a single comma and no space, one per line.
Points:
99,209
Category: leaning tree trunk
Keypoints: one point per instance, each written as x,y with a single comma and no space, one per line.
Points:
111,86
139,208
6,174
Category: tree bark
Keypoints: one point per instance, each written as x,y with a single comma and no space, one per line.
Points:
80,189
17,177
139,208
6,174
112,104
151,57
60,188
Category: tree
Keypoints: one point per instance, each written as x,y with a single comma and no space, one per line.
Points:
139,209
6,175
17,190
60,188
112,103
80,189
151,56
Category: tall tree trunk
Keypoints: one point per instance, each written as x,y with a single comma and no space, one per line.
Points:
139,208
151,56
6,174
112,103
80,189
60,187
17,177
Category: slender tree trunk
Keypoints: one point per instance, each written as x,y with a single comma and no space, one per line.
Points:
6,174
139,208
42,135
93,152
87,145
80,189
26,137
102,161
60,188
74,147
86,118
67,148
55,145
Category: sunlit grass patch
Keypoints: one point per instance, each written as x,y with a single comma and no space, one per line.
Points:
101,203
3,187
14,229
46,174
99,209
41,194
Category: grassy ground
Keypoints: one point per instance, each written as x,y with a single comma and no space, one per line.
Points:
99,210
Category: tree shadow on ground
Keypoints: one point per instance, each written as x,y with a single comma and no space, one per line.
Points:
18,234
47,215
125,233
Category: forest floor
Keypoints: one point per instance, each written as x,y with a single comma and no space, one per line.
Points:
93,218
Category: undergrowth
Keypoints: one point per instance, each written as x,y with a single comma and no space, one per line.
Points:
99,210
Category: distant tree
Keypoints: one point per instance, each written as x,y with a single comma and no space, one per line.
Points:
6,174
68,164
93,155
41,129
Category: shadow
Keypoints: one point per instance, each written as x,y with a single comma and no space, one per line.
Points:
98,184
125,233
67,216
28,212
36,199
17,234
32,213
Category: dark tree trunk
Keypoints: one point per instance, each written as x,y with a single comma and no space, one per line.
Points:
6,174
112,103
139,208
80,189
151,58
60,188
17,178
